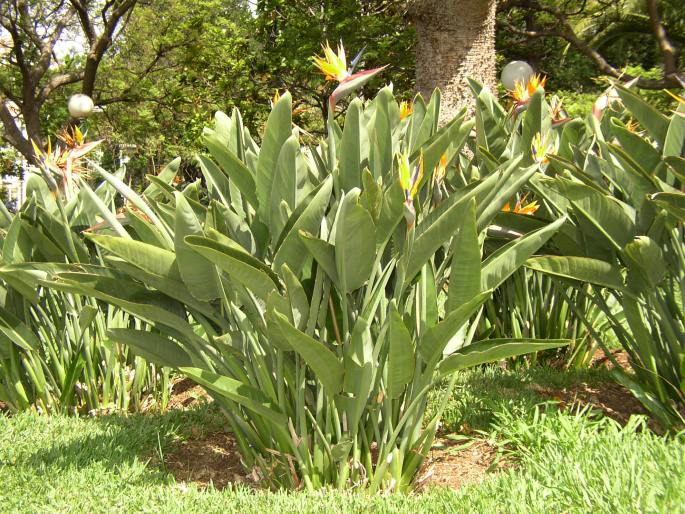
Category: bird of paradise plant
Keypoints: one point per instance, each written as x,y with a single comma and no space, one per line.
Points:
522,207
522,93
334,67
406,109
65,160
410,181
541,148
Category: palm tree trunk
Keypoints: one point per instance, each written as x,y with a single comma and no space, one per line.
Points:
456,41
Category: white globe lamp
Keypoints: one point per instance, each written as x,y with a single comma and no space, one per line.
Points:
516,71
80,106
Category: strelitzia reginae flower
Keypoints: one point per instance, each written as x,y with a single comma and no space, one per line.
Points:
410,180
64,162
334,67
541,148
522,93
681,103
522,207
406,109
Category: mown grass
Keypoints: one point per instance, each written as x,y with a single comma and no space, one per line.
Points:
566,462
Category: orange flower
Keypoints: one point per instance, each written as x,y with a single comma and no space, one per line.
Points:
522,93
523,208
406,109
440,169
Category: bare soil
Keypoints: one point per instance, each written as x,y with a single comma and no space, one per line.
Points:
601,359
212,458
185,393
448,466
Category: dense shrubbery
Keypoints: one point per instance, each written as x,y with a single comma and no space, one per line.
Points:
319,292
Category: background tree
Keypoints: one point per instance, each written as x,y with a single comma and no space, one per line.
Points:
30,71
455,41
622,39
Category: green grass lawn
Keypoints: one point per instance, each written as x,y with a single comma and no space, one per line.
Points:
566,462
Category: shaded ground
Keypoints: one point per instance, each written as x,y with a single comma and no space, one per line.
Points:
600,359
613,400
185,392
212,458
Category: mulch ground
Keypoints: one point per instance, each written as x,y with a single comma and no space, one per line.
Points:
213,457
602,360
450,466
185,393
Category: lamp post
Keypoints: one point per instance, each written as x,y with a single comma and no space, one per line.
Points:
516,72
80,106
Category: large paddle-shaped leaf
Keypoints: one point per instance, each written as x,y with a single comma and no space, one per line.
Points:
199,275
582,269
494,350
400,355
278,130
243,394
238,264
152,347
501,264
323,362
355,243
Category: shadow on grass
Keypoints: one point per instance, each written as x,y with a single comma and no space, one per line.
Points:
118,442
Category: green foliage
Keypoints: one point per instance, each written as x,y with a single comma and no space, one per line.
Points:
621,189
55,354
306,307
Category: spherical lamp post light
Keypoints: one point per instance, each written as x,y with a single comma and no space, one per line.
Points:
80,106
516,71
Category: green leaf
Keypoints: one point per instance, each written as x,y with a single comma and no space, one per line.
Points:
501,264
167,175
233,167
649,117
236,391
675,137
199,276
323,362
292,250
400,368
145,256
493,350
355,243
299,304
582,269
436,338
323,253
673,203
152,347
18,332
349,164
238,264
604,212
278,130
431,235
465,270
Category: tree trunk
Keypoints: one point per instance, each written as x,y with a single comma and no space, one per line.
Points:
456,41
